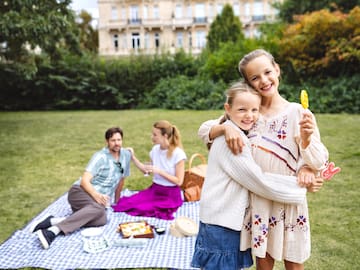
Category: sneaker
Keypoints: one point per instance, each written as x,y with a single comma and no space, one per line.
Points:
46,237
42,225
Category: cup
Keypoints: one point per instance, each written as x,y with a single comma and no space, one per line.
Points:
148,168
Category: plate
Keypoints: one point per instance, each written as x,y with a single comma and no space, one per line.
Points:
95,245
186,226
90,232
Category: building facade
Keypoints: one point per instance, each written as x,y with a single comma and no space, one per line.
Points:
152,26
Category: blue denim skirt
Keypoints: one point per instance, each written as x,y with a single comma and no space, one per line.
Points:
218,248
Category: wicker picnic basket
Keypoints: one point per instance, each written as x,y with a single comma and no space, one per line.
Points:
194,178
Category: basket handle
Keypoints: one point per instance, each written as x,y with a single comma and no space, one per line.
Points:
203,159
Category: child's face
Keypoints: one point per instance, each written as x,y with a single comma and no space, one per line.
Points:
244,111
263,75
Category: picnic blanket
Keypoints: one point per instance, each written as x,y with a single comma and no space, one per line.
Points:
23,248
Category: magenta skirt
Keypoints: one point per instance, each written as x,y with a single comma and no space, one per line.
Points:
155,201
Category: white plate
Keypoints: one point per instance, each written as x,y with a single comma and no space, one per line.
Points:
93,231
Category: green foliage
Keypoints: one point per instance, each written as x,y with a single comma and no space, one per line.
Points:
330,96
180,92
46,24
222,64
225,28
89,37
323,44
288,9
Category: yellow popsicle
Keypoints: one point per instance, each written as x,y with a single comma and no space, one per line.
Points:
304,99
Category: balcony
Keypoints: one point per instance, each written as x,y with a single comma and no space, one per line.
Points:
184,23
113,25
200,20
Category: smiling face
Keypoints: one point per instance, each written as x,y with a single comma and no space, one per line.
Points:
263,75
244,110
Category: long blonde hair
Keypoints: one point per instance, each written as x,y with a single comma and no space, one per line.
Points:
172,133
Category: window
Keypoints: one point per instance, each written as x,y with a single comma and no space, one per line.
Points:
178,11
135,40
123,13
190,40
134,13
179,39
116,42
258,14
124,41
157,40
211,10
236,9
156,12
219,8
114,15
189,11
145,12
200,13
146,41
200,39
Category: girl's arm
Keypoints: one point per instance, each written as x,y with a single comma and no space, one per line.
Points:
211,129
137,162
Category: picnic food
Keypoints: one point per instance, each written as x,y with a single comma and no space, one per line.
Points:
136,229
304,99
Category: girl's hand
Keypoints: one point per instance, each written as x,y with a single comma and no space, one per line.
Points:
131,150
307,127
316,185
233,139
305,177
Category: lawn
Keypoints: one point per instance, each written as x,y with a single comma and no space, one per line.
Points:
43,153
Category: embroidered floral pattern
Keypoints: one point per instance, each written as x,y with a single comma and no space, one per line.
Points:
257,219
262,229
258,241
272,222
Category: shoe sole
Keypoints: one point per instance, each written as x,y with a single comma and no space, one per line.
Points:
42,239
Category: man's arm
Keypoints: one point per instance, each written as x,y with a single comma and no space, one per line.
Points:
88,187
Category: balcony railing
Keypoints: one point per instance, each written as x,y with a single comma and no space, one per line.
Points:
200,20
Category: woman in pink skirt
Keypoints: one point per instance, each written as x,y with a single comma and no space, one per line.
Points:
167,157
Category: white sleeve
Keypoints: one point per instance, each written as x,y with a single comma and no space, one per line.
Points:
243,169
204,130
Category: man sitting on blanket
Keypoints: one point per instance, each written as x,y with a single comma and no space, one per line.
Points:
90,195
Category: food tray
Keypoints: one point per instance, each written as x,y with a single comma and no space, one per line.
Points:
136,229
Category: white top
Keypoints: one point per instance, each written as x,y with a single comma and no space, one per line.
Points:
160,160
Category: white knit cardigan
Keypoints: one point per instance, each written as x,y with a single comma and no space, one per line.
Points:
229,178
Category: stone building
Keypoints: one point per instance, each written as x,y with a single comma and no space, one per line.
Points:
151,26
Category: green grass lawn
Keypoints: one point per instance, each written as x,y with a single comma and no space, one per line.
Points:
43,153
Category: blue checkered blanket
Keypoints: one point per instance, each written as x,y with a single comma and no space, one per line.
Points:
23,248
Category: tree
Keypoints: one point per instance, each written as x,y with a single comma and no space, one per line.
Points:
29,24
290,8
226,27
323,44
89,39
